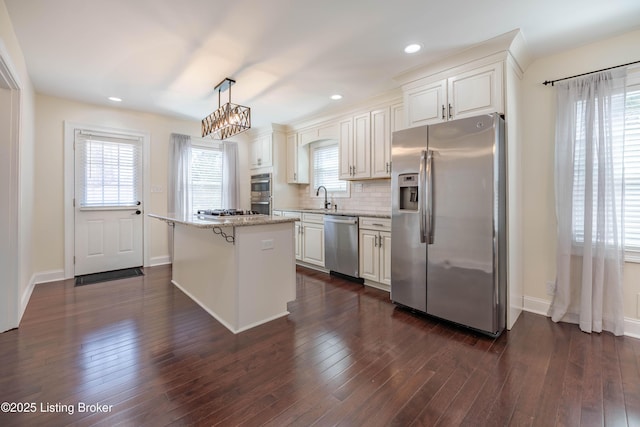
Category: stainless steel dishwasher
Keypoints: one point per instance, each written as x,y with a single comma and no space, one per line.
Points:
341,244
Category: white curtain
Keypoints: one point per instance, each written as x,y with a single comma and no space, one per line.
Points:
179,195
178,192
589,199
230,176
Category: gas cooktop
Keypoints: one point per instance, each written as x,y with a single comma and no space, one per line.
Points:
225,212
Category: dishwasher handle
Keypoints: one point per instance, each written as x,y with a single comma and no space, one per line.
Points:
351,221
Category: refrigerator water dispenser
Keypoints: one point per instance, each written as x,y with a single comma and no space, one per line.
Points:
408,184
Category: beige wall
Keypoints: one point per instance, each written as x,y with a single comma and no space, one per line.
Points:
26,150
538,151
51,112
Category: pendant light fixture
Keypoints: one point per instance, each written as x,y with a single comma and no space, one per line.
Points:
229,119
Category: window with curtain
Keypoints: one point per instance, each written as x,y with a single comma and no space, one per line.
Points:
206,177
630,126
111,172
325,162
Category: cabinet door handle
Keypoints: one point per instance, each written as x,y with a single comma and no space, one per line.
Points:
450,115
443,112
380,240
375,241
295,176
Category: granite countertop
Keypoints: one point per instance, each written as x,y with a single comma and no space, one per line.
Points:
338,212
200,221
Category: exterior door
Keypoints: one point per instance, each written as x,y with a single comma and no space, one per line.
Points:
108,202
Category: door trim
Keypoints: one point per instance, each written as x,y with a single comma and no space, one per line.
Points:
13,308
69,187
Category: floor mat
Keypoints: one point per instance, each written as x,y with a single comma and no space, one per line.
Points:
106,276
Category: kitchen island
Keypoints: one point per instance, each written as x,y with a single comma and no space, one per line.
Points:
240,269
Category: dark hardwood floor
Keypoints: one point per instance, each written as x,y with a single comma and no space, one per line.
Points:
344,356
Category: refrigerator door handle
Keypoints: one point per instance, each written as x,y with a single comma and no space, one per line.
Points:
422,195
429,201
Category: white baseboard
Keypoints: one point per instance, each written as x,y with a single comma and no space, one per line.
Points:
160,260
205,308
26,296
541,306
536,305
312,266
48,276
632,327
378,285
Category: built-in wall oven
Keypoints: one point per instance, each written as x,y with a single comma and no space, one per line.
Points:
261,188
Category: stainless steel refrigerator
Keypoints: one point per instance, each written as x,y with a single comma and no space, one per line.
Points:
448,246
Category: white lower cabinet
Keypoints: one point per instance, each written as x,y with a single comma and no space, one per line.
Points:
298,240
313,243
375,250
308,237
312,231
297,234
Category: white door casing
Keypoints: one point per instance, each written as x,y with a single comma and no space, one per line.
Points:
11,307
104,239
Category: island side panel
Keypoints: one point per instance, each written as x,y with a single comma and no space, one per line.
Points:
204,267
266,272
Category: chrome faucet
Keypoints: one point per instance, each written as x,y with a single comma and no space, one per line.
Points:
326,203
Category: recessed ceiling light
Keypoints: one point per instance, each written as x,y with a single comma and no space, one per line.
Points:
412,48
336,96
114,99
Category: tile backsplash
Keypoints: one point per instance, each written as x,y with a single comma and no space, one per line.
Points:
366,196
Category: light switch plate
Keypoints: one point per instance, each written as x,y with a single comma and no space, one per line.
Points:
267,244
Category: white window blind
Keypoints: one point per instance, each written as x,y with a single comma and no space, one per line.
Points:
326,168
206,178
630,163
110,171
632,170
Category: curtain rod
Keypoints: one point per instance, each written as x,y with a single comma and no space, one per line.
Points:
590,72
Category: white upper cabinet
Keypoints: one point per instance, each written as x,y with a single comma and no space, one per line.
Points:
380,143
345,146
297,161
474,92
467,93
365,144
261,152
398,121
361,163
425,104
355,148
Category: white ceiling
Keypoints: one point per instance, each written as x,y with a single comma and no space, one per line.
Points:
287,56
